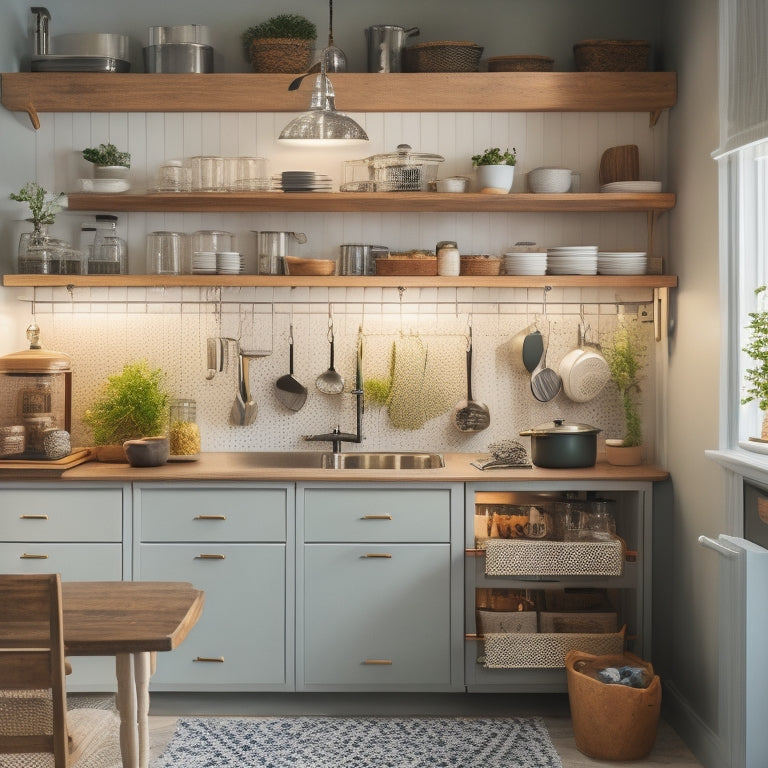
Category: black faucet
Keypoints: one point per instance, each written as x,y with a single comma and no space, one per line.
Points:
337,437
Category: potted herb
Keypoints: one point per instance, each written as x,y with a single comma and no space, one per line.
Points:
626,354
757,349
131,404
108,161
495,170
43,207
281,44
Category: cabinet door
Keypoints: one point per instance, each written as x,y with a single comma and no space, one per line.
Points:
239,643
377,616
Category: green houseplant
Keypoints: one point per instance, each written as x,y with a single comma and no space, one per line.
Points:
281,44
626,354
108,161
495,170
131,404
43,205
757,348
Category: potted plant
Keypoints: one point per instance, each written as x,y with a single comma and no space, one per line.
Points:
625,354
757,349
495,170
281,44
108,161
131,404
43,207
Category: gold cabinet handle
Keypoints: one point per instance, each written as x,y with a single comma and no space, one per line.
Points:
209,659
376,517
27,556
378,662
377,554
210,557
210,517
33,517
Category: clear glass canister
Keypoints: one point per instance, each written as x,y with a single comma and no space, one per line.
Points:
183,432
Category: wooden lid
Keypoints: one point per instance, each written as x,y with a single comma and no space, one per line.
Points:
35,361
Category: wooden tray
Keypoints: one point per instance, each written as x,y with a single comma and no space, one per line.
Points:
47,466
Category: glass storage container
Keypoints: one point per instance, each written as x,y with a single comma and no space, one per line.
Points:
183,432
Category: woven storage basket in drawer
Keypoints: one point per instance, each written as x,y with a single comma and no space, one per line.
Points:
545,650
442,56
523,557
611,55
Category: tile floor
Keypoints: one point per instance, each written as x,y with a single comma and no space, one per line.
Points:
668,751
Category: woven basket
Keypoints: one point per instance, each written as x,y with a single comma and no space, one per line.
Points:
297,266
611,55
520,63
442,56
287,55
407,265
479,265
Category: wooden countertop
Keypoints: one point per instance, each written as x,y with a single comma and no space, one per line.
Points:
239,466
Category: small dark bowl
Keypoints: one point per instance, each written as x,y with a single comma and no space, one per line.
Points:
147,451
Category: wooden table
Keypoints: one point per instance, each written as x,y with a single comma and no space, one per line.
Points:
130,620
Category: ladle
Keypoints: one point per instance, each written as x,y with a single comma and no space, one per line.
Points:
330,382
288,389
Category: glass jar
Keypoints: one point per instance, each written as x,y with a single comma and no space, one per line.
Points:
109,255
448,259
183,432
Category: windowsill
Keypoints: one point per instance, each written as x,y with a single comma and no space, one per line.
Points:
746,460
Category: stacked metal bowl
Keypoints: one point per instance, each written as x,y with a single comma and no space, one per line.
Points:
178,49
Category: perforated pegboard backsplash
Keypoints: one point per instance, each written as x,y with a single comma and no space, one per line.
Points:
101,337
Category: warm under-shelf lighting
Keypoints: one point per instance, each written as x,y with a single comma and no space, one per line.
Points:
322,125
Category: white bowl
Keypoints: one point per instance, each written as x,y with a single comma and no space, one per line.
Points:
549,181
452,184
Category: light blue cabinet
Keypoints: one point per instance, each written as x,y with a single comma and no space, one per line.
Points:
233,541
379,590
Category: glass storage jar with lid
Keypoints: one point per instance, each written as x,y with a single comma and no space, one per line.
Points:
35,399
183,432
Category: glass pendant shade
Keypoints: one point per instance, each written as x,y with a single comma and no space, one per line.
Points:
322,125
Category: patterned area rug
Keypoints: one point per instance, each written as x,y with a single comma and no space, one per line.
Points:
336,742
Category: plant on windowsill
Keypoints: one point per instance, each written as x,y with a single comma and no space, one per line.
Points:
625,354
281,44
495,170
757,349
132,404
108,161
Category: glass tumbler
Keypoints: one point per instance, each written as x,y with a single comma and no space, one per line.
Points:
208,173
164,253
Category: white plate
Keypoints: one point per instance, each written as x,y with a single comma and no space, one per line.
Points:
103,185
632,186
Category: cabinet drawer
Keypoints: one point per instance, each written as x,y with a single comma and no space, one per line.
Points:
239,641
212,514
378,622
359,514
57,514
75,562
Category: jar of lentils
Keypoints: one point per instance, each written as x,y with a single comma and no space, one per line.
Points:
183,432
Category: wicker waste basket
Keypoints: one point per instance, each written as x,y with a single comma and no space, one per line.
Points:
610,721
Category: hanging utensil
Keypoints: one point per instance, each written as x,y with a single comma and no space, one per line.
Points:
288,389
244,408
545,382
469,415
330,382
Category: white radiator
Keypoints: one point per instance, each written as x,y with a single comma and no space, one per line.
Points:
743,638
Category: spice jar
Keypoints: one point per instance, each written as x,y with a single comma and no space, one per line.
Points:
183,432
448,259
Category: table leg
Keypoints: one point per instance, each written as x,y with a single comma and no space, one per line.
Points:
126,706
141,672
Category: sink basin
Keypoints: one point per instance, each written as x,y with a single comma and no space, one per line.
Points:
326,460
383,461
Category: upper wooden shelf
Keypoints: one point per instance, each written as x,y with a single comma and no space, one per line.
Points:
340,281
383,202
34,92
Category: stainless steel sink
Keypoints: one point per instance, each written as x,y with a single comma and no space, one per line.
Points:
375,461
327,460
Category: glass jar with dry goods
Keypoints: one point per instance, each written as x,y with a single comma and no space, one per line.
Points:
183,432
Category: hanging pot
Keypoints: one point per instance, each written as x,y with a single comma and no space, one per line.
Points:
558,445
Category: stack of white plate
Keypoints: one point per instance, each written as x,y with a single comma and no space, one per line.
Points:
572,260
632,186
525,263
302,181
229,263
622,262
204,263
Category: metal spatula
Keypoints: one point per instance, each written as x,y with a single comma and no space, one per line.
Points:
288,389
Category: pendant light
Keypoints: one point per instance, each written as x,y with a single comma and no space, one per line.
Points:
322,125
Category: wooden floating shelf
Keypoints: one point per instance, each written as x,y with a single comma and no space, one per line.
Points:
371,202
35,92
341,281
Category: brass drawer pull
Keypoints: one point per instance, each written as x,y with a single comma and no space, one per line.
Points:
378,662
27,556
210,659
210,557
376,517
33,517
210,517
377,554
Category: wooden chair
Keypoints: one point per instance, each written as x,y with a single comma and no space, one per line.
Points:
33,706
